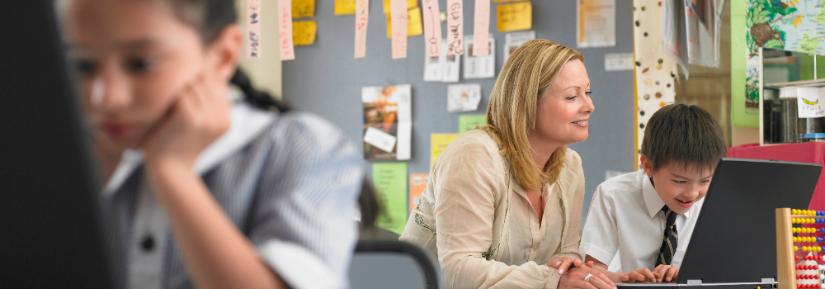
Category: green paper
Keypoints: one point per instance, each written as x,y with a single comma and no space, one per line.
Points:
390,181
741,115
470,121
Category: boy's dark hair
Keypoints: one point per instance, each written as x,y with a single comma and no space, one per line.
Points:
685,134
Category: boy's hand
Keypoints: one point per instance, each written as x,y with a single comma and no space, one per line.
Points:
564,263
665,273
639,275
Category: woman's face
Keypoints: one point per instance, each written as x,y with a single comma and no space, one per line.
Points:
565,106
133,58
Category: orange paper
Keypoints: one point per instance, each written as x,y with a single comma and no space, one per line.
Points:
418,183
285,29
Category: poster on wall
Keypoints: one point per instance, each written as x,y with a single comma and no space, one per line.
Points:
596,23
387,122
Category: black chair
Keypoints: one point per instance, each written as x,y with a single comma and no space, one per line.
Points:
382,264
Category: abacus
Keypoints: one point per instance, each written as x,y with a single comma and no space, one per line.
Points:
800,248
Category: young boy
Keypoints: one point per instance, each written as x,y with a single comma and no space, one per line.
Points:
648,216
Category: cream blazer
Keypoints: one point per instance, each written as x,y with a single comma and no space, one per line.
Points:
479,224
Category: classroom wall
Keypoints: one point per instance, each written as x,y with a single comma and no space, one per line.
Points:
326,80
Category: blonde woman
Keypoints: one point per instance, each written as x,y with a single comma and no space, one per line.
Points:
503,204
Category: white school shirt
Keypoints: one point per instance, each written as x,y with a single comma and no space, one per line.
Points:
626,220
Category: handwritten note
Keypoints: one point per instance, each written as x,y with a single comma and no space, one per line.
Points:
344,7
455,27
432,28
399,29
303,8
303,32
253,26
481,28
285,29
390,180
362,8
514,17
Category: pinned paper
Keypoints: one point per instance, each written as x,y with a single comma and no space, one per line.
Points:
442,69
481,29
344,7
303,32
303,8
379,139
389,110
596,23
253,26
809,101
515,40
439,143
362,12
418,183
480,66
514,17
285,29
413,23
455,27
467,122
410,4
390,181
463,97
399,33
432,28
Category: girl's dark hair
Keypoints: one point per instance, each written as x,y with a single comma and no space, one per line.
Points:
210,17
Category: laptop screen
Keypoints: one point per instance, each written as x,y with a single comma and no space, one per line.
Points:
734,239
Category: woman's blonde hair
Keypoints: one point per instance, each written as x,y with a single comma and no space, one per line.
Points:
511,113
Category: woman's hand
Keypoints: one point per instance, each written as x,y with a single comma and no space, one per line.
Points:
196,119
585,277
564,263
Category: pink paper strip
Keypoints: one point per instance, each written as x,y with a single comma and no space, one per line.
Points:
362,13
432,28
253,26
398,10
481,30
455,27
285,29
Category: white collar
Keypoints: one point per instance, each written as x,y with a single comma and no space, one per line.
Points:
246,123
652,200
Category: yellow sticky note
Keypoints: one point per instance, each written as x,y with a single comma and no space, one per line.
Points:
414,26
514,17
438,143
303,32
344,7
303,8
505,1
410,4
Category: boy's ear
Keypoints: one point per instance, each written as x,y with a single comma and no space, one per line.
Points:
646,165
225,51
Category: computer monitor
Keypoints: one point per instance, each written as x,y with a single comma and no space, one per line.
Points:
53,234
734,239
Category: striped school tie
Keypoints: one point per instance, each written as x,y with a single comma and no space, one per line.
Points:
670,238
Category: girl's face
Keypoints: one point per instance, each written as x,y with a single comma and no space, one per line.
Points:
132,58
565,106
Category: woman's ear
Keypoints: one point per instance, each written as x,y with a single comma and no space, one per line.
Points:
224,52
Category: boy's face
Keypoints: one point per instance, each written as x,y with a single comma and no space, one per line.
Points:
678,185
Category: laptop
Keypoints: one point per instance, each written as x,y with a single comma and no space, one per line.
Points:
733,243
53,233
